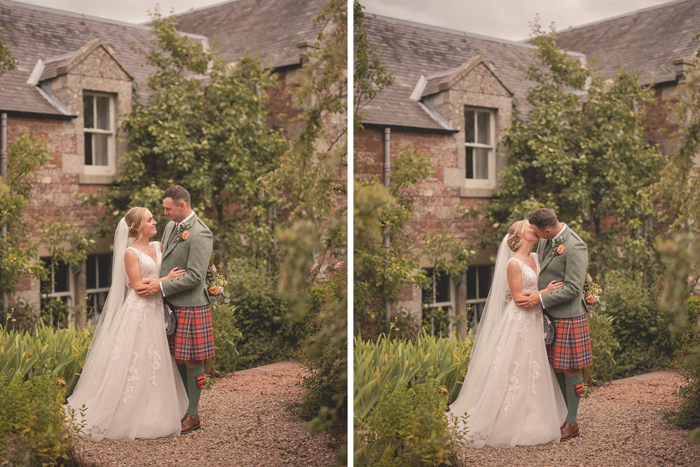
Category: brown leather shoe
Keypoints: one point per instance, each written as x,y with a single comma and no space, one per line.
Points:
190,424
569,431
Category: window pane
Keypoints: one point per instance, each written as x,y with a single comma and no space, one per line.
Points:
46,284
484,281
471,283
88,112
61,280
469,126
105,269
470,163
442,288
91,272
101,145
484,126
102,112
88,148
481,156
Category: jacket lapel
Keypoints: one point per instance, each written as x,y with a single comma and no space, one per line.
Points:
548,256
172,240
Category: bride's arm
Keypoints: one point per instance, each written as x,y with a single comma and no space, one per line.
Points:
131,263
515,280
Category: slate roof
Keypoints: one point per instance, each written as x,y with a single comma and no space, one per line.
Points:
646,40
270,28
35,33
410,50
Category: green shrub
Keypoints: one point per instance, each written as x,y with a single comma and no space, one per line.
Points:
226,337
385,363
268,335
603,348
32,421
62,352
688,366
641,326
408,427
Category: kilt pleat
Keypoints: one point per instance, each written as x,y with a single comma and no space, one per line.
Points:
194,337
571,348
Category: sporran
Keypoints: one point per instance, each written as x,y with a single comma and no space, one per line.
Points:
170,322
549,332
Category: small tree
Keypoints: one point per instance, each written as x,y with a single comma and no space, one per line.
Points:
586,159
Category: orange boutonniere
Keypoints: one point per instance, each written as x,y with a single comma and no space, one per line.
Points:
185,234
560,250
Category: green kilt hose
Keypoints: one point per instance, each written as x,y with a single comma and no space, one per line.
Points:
571,348
193,338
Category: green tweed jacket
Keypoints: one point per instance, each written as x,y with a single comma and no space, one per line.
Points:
193,255
568,267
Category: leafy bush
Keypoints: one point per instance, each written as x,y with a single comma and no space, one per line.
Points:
603,348
641,326
62,352
687,365
268,335
32,421
408,427
324,353
382,365
226,336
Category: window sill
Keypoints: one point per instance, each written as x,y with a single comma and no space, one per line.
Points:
475,192
95,179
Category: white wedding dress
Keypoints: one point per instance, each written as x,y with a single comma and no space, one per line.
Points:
514,398
130,389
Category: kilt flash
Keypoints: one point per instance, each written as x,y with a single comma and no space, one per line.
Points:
194,337
571,348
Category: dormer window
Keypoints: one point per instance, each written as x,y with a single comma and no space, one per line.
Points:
479,145
98,116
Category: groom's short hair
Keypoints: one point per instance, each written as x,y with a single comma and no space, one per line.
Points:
544,218
177,193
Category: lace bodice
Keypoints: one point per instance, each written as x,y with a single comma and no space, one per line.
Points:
149,269
529,277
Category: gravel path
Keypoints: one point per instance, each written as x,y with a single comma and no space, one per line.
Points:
621,424
244,423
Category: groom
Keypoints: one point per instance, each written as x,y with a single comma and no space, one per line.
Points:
187,244
563,257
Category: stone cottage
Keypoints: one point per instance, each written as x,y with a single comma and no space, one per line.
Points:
453,98
73,88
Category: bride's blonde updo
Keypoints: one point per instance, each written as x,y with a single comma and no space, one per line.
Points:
134,221
516,233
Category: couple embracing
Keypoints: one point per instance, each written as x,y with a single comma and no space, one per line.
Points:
138,382
519,391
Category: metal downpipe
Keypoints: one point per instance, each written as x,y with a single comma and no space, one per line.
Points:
387,240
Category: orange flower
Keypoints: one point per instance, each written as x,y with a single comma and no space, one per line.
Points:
213,289
590,299
560,250
185,234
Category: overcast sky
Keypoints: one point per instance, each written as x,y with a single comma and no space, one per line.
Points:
506,19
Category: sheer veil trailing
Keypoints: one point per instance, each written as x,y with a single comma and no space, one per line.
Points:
104,334
495,307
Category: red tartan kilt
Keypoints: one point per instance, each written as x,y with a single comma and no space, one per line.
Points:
571,348
194,337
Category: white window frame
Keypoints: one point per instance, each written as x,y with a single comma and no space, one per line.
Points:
98,289
490,182
110,168
450,306
476,301
68,293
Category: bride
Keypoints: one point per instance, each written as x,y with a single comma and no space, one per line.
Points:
128,384
510,393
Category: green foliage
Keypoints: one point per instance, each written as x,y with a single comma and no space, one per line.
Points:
21,244
408,428
688,414
589,163
61,352
262,317
35,430
641,325
226,338
603,348
7,61
324,353
380,366
205,128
